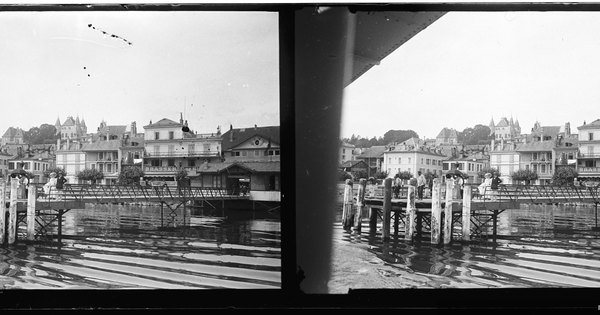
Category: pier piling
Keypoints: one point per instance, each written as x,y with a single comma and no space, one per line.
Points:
31,199
411,213
372,221
347,206
436,211
466,214
387,208
3,211
360,202
12,211
448,211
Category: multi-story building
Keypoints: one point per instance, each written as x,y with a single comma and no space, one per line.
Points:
538,156
71,128
346,150
70,157
588,161
252,158
373,156
505,129
4,158
504,158
35,164
447,136
470,166
168,149
13,136
103,156
412,156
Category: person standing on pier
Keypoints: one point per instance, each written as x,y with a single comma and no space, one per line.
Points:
60,184
420,185
397,185
496,181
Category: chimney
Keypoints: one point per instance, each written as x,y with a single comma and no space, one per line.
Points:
230,135
567,129
133,129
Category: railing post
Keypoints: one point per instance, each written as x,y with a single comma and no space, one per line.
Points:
2,211
31,199
466,214
12,211
436,211
448,211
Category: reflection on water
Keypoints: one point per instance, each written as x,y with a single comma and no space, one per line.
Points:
538,246
113,246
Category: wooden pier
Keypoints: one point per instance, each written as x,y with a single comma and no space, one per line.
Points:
450,206
38,210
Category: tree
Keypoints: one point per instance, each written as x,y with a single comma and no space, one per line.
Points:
479,134
44,134
130,175
398,136
343,175
404,175
380,175
90,174
524,175
490,170
359,174
56,170
564,175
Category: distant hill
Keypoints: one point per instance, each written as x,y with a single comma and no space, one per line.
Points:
389,137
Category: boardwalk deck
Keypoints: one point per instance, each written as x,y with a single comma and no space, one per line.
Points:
483,207
42,208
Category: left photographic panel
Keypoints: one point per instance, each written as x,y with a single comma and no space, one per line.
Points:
140,150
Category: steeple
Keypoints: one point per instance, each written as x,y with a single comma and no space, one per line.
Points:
57,125
492,126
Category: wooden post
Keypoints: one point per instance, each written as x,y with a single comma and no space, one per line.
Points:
60,215
360,202
3,211
466,214
387,208
347,206
31,198
12,211
448,211
436,211
411,213
372,220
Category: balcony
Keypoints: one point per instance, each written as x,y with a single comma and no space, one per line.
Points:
589,156
181,154
588,170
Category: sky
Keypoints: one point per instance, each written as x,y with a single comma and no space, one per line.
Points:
469,67
217,68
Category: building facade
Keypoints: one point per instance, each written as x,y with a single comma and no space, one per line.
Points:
71,158
504,158
346,152
447,136
400,159
588,160
13,136
104,157
168,150
373,156
71,128
505,129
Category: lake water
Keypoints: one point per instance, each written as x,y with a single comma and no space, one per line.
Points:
538,246
123,247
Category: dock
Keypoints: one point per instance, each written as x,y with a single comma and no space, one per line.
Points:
38,210
451,212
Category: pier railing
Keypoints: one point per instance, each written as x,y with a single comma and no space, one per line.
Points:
128,193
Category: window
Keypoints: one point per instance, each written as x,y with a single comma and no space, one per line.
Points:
171,149
171,162
192,148
26,166
543,168
171,135
590,150
155,162
421,160
109,168
100,155
136,155
591,136
343,151
191,163
427,161
101,167
256,153
236,153
93,166
399,160
534,156
156,135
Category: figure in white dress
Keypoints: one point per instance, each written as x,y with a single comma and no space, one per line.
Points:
485,185
50,186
